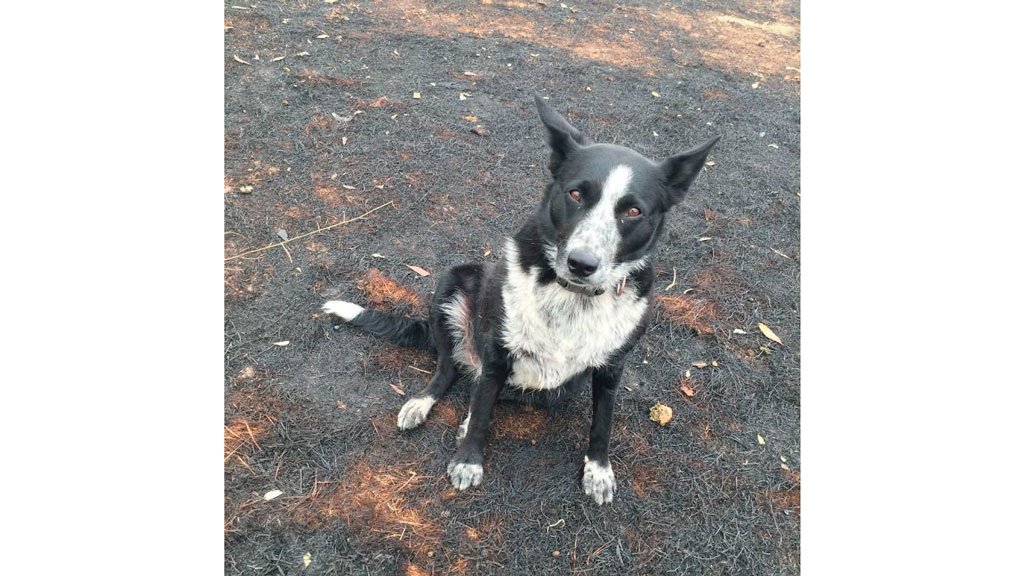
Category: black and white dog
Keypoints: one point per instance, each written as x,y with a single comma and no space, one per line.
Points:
568,303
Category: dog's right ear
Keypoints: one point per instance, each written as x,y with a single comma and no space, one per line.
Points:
563,137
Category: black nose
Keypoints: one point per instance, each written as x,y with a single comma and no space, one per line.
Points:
582,262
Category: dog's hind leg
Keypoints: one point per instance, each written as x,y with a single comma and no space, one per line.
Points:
450,330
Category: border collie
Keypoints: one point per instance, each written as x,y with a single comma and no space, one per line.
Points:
567,304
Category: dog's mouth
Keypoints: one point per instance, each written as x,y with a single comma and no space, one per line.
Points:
579,288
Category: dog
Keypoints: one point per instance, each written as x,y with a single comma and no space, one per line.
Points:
567,304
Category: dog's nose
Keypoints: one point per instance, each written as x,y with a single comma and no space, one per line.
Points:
582,262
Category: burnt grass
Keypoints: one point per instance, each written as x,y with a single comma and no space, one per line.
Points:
321,127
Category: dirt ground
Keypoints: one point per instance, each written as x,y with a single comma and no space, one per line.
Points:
377,135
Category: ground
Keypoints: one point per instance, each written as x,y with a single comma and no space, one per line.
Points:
375,136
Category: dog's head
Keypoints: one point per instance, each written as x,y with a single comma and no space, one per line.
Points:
604,210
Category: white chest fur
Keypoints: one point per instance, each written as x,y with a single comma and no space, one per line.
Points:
554,334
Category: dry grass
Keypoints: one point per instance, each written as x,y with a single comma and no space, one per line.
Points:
386,294
374,502
695,313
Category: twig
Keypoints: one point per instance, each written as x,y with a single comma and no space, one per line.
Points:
669,287
317,231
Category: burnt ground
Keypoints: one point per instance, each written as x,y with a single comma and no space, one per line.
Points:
321,126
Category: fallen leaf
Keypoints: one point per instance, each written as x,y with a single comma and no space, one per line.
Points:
768,332
687,374
375,255
272,494
699,364
760,440
348,187
687,390
703,238
398,390
278,59
463,95
766,350
418,270
755,85
784,467
714,363
415,95
303,54
237,59
322,36
306,559
655,94
282,235
781,254
470,74
487,249
470,118
344,140
282,343
661,414
245,189
738,331
783,458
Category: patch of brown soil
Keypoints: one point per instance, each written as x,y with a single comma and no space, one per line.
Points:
519,422
385,293
376,503
697,314
255,411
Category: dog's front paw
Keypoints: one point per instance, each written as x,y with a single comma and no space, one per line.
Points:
463,474
344,310
414,412
598,481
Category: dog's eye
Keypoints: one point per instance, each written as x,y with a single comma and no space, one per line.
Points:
576,195
633,212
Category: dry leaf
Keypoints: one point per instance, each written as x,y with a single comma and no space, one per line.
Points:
661,414
655,94
417,270
699,364
344,140
237,59
398,390
470,118
487,249
714,363
278,59
282,343
738,331
755,85
322,36
303,54
245,189
306,559
760,440
272,494
348,187
781,254
463,95
709,163
415,95
784,467
470,74
687,390
768,332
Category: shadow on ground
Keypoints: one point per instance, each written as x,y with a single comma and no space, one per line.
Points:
322,126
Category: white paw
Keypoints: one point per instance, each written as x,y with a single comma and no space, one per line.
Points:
465,475
598,481
344,310
414,412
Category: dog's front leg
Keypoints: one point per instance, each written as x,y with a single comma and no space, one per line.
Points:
466,468
598,477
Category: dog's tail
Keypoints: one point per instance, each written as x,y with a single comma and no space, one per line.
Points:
410,332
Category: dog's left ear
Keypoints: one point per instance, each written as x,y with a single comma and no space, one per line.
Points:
680,170
563,137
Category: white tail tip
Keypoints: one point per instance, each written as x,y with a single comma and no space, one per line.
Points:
344,310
